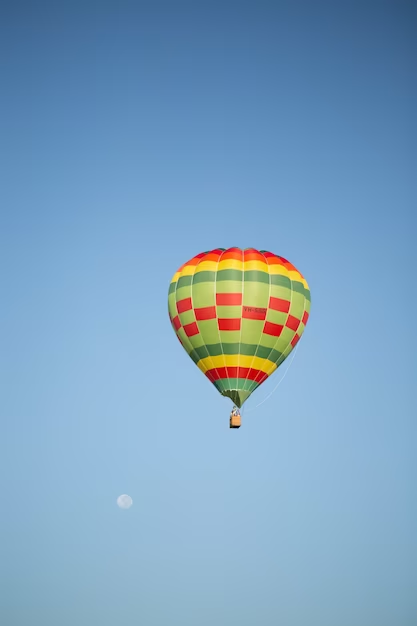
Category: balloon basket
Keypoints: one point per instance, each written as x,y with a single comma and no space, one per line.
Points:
235,421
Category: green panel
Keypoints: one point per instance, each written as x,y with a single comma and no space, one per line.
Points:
209,331
229,275
268,341
250,385
229,286
268,353
252,330
187,317
256,294
301,329
204,277
287,353
199,343
224,383
185,341
172,288
232,348
248,349
229,336
216,349
279,365
297,305
172,306
198,354
194,356
183,292
229,312
228,347
299,288
256,276
231,383
276,317
286,337
203,295
278,291
184,281
228,388
280,280
171,300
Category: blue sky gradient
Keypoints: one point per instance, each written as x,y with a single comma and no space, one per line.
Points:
133,136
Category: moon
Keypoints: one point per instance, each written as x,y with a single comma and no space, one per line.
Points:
124,501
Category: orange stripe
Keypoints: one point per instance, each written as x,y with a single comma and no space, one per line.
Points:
232,253
194,261
254,255
274,260
213,256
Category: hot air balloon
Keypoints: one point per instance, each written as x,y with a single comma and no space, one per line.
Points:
238,314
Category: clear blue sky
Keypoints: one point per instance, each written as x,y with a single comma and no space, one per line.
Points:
133,136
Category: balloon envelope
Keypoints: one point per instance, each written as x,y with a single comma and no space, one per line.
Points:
238,314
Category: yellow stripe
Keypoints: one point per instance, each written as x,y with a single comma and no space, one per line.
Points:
206,266
188,270
203,366
272,368
233,360
278,269
256,265
231,264
295,276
